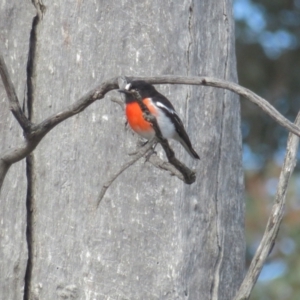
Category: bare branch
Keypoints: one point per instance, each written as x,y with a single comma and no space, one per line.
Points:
12,156
141,152
189,176
4,167
98,93
218,83
35,133
163,165
153,159
14,103
274,221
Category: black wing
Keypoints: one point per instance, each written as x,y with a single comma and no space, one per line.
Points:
166,106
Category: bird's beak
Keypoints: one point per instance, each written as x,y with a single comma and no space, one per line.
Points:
125,92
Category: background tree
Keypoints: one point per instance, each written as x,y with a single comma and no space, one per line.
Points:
268,36
267,44
152,237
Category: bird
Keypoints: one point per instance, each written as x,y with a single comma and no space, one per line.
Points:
168,120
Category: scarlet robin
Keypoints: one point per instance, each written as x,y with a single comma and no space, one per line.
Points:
168,121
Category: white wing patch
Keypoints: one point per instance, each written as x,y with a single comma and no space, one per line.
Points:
167,127
170,110
128,86
159,104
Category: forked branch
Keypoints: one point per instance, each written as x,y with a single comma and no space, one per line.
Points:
141,152
34,133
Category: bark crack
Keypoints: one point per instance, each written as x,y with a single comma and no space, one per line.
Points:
220,236
188,96
227,26
187,101
29,226
216,277
190,37
30,204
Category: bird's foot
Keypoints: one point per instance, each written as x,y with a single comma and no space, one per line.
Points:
149,153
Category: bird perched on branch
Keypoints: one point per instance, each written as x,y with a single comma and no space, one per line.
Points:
168,121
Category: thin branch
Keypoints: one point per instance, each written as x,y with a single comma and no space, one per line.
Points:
4,167
274,221
14,104
10,157
98,93
35,133
163,165
111,84
157,162
234,87
189,175
141,152
153,159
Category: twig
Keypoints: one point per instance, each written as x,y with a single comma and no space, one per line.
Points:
163,165
274,221
142,151
14,103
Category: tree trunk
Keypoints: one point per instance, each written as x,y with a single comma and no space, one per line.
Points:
152,237
15,26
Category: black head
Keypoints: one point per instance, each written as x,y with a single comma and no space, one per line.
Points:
140,87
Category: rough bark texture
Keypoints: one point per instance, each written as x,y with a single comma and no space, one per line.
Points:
152,237
15,26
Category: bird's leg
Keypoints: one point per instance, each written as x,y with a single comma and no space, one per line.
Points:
141,143
126,126
149,153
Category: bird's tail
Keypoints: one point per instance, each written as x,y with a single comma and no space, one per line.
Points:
187,147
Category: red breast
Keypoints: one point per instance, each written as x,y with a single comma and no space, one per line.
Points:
135,118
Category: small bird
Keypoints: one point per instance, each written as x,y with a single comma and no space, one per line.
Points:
168,121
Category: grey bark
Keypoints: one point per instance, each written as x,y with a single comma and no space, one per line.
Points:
15,26
152,237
